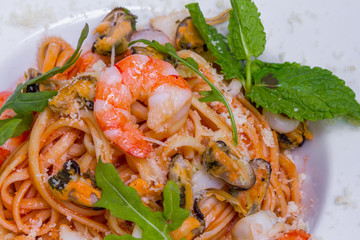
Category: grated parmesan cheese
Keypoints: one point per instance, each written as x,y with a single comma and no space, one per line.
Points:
268,137
345,199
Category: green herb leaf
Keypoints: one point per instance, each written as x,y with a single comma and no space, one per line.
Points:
216,43
25,103
246,33
15,95
302,92
172,212
124,202
15,126
216,94
116,237
192,62
31,102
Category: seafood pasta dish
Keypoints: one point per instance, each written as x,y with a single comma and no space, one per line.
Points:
158,133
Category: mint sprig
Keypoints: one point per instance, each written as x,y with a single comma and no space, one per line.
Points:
26,103
124,202
216,43
300,92
246,34
209,96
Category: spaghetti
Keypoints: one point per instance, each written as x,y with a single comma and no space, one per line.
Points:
70,143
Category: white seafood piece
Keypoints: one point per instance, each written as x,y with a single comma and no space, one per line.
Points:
202,180
168,24
280,123
255,226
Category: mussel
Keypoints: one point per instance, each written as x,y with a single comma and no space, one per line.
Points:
219,162
245,202
251,199
223,195
187,37
70,184
180,173
190,229
31,74
148,51
295,138
114,32
80,93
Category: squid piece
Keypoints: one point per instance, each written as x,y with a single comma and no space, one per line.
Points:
253,227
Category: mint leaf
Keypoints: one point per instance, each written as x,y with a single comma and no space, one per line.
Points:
124,202
14,127
302,92
246,33
216,43
30,102
354,115
216,94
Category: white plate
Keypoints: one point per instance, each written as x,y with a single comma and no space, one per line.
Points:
317,33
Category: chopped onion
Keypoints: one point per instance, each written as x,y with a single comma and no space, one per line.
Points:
149,34
281,123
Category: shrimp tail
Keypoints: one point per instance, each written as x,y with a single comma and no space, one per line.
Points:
119,129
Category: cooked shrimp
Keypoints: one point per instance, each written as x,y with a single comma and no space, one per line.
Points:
295,235
151,81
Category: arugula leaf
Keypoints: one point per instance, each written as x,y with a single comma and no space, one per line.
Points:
216,43
214,95
302,92
125,203
175,215
15,126
29,102
16,94
26,103
124,237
